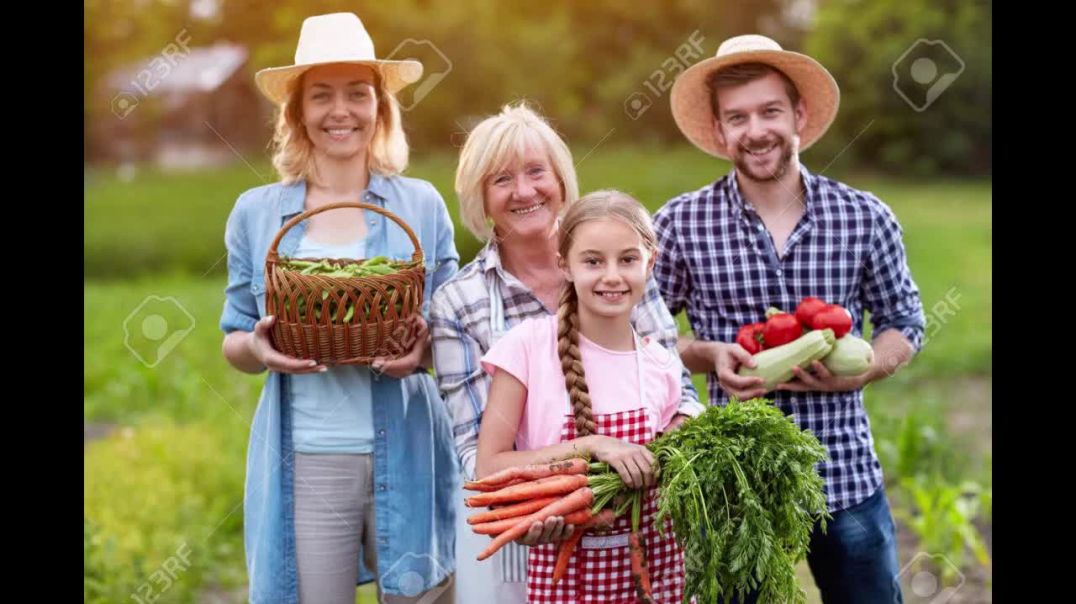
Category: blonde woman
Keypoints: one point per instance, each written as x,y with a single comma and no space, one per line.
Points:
515,178
350,470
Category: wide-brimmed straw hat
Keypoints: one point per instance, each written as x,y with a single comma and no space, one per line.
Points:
335,38
690,99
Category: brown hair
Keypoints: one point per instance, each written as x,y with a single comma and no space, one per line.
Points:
737,75
593,206
293,152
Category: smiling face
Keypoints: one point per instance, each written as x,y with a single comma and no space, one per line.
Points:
524,198
608,264
758,126
339,109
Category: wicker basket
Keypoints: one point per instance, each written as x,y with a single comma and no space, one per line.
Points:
384,305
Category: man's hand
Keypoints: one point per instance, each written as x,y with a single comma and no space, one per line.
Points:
891,352
821,380
727,361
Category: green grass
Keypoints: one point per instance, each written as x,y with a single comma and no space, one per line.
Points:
163,512
192,383
176,476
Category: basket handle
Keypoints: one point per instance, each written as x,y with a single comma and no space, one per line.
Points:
415,257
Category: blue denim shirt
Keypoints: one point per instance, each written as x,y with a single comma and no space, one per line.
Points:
416,473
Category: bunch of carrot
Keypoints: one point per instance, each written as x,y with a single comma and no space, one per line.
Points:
575,489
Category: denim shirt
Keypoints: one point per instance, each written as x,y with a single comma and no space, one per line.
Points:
416,473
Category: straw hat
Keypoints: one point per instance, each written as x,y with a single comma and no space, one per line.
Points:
334,38
690,98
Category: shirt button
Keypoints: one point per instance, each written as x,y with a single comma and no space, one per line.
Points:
760,227
381,487
381,432
779,272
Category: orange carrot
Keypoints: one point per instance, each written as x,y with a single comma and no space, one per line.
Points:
511,511
543,487
579,498
604,519
534,472
486,488
577,517
565,553
640,575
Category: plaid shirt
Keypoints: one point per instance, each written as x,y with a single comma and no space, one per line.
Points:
461,332
719,262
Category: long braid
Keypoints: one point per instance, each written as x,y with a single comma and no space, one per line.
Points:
599,205
571,362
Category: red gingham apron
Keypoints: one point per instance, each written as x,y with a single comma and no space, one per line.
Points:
600,567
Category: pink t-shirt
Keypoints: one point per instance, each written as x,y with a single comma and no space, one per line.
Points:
529,352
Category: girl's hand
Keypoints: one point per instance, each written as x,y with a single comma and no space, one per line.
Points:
261,348
634,463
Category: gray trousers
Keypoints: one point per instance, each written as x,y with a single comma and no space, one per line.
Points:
334,513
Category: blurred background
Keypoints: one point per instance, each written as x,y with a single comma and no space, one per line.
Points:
175,130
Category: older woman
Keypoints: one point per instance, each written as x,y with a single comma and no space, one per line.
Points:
515,178
350,469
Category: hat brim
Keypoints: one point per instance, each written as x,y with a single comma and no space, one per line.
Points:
274,82
693,112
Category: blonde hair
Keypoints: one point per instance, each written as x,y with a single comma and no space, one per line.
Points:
293,152
598,205
498,141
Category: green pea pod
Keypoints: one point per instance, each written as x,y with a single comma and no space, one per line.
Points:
381,269
376,260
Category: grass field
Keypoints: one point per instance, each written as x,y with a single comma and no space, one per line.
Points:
164,489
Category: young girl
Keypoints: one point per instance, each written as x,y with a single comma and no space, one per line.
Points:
583,383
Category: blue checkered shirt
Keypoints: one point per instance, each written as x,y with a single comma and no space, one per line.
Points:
718,261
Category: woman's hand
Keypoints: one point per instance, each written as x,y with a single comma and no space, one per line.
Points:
416,346
552,530
261,348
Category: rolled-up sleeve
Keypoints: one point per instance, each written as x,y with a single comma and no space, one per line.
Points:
448,258
240,305
889,292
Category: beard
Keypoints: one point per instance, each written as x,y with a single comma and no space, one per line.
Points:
785,146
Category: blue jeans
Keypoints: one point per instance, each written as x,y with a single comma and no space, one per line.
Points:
855,561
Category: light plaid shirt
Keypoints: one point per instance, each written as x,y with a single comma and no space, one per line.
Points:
718,261
462,334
